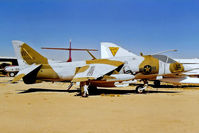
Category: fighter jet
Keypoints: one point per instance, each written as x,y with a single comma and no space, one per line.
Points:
150,67
117,71
89,73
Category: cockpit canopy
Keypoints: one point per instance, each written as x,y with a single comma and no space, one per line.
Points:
164,58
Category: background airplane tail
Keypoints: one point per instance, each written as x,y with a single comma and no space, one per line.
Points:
26,55
109,50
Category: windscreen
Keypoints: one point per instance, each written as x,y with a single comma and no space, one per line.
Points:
164,58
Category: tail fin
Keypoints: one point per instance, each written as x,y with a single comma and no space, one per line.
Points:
109,50
26,55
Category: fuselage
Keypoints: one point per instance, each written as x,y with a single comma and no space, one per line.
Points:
63,71
149,64
146,65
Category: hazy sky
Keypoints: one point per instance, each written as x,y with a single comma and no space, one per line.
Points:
147,26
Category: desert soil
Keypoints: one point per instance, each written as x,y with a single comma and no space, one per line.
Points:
47,108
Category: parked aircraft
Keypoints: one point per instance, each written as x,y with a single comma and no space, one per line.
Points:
6,62
99,72
120,70
194,63
180,72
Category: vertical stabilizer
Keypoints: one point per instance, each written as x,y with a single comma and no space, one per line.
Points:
26,55
109,50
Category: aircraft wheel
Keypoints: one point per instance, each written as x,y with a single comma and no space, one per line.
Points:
157,83
11,74
139,89
4,73
94,87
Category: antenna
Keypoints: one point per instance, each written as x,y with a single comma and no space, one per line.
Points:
171,50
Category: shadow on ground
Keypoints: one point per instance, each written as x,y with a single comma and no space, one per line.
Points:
31,90
168,86
173,86
94,92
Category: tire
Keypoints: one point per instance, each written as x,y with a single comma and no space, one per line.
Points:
91,88
156,83
139,89
4,73
11,74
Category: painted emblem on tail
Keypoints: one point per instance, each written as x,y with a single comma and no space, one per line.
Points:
114,50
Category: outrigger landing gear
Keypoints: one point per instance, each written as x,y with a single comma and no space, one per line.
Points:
141,88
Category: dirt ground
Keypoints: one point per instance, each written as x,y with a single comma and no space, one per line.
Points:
48,108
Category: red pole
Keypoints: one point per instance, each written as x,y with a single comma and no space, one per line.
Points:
69,58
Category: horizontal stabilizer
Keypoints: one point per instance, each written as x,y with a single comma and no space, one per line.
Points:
22,73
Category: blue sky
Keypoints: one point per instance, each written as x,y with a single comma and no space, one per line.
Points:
147,26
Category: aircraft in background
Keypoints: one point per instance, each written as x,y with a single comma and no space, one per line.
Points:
6,62
188,61
119,71
194,63
72,49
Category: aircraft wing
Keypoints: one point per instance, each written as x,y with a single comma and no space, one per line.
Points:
192,72
181,80
94,70
176,79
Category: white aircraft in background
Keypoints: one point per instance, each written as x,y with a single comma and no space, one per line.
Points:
109,72
194,63
188,61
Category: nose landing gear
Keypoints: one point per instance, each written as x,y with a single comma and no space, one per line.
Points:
141,88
